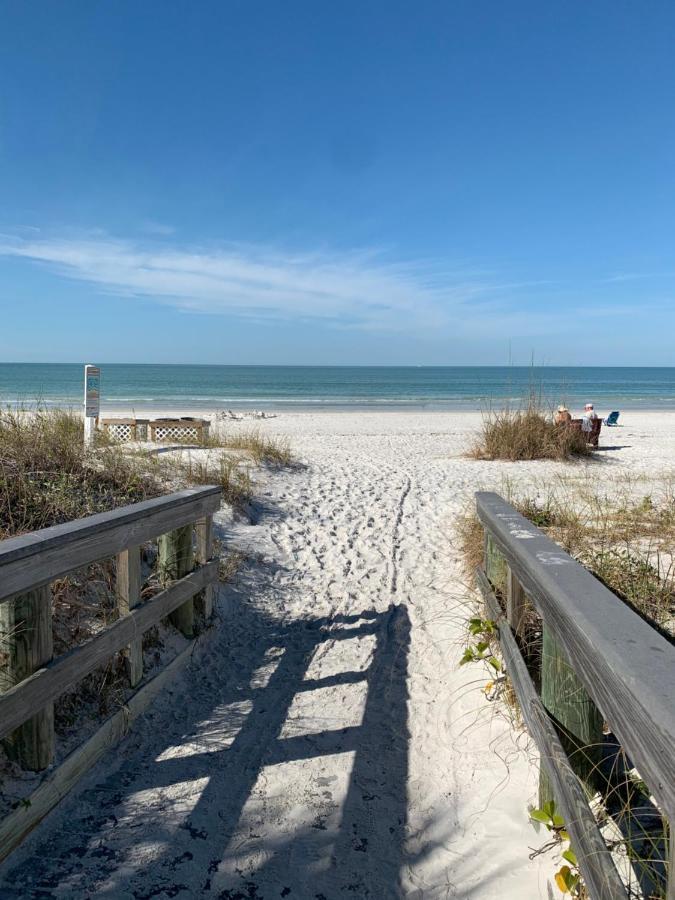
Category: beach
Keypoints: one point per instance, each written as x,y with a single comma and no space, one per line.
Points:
324,741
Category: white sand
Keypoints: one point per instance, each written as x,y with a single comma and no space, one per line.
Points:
324,742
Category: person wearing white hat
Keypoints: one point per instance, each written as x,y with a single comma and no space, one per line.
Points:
588,418
563,416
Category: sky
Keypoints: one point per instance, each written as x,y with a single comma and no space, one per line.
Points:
441,183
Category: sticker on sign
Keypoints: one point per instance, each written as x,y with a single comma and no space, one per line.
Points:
92,391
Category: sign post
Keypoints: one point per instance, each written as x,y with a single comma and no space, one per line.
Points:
92,402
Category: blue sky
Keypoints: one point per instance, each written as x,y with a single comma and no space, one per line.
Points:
354,182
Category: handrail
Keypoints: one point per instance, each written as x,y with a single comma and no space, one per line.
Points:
596,863
32,560
626,666
181,522
63,672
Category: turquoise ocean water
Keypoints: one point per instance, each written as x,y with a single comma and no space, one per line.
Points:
349,387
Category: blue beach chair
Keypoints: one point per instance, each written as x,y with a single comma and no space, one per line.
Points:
612,418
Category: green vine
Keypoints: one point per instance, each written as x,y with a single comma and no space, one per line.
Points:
568,877
480,650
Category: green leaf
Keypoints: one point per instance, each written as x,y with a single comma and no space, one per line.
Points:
482,646
549,808
496,665
558,821
563,835
571,857
540,815
475,626
468,656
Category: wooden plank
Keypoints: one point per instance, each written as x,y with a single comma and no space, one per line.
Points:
34,559
579,723
516,603
495,565
626,666
66,670
26,644
21,821
204,552
176,559
595,861
128,589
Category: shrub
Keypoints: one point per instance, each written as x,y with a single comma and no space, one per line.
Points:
527,434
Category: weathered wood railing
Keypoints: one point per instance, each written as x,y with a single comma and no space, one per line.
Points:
600,661
33,679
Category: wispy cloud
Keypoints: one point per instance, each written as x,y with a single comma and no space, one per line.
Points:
349,290
352,288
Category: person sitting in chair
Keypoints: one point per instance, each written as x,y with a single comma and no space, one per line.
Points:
589,417
563,416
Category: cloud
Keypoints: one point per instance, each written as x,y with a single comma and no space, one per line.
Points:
358,290
353,289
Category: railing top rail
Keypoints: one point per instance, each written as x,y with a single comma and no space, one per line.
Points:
34,559
626,666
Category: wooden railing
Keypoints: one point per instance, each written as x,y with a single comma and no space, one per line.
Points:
30,562
600,661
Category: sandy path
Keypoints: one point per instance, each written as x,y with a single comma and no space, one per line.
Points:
323,742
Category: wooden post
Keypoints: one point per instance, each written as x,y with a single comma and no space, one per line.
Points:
204,530
577,718
176,559
515,602
25,646
128,587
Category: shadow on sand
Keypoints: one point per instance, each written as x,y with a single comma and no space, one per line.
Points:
109,844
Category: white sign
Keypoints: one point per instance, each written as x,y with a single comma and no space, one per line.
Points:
92,391
92,402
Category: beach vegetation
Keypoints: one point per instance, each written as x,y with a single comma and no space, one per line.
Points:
263,449
47,477
527,433
230,473
624,537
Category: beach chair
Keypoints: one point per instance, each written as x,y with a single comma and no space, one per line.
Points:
612,418
593,437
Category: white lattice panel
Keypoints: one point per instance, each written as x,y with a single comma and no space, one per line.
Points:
121,432
177,432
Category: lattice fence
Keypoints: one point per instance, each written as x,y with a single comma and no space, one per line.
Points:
121,432
176,432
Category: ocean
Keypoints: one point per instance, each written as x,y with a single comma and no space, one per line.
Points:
337,387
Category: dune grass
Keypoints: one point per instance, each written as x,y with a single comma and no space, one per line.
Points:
47,477
527,434
624,536
229,472
261,448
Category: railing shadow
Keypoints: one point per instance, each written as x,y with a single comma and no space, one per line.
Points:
133,833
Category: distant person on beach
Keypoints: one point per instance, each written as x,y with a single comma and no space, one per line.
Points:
563,416
589,417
